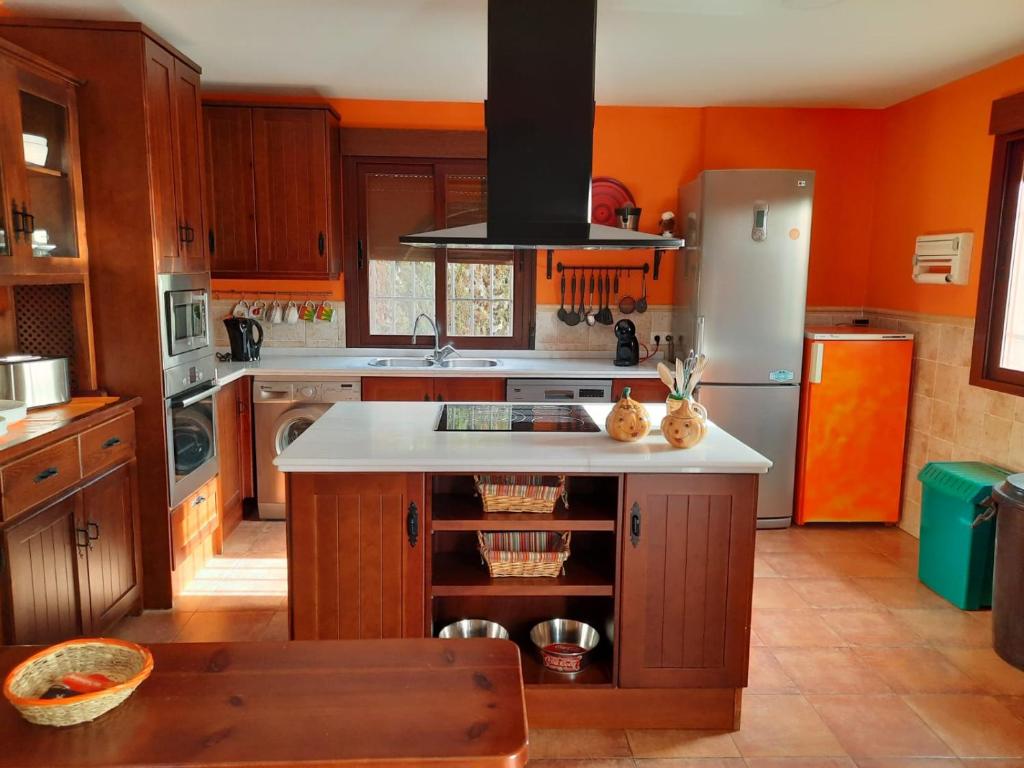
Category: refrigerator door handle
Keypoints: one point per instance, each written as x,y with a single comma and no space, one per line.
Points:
817,358
699,342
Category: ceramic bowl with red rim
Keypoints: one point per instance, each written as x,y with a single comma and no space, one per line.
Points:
565,645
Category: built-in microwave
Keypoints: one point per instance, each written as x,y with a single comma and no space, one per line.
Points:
185,314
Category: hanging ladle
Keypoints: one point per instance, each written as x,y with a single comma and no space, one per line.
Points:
641,305
572,317
562,314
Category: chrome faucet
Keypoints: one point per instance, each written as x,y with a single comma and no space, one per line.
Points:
440,353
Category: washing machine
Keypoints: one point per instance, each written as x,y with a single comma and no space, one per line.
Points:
282,410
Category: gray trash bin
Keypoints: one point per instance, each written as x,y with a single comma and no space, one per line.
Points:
1008,582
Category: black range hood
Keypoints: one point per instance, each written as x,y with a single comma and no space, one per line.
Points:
540,135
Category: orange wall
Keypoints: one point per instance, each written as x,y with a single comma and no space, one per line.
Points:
934,162
840,146
653,150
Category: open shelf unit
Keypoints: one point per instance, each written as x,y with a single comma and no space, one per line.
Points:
461,587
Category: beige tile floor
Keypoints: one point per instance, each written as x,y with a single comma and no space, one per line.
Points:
853,663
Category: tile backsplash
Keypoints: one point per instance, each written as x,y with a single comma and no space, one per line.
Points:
301,334
950,420
554,335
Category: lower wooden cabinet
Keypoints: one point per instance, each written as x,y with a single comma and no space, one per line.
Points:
641,390
356,556
687,577
45,575
73,566
439,389
195,534
234,448
108,512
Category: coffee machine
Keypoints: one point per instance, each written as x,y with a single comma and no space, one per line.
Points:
246,337
627,348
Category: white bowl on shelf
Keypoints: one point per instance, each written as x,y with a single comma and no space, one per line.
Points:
36,148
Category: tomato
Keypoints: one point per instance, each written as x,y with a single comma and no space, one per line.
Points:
81,683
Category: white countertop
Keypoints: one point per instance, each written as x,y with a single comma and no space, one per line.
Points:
540,367
400,437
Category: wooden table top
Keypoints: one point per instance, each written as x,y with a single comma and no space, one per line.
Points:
365,703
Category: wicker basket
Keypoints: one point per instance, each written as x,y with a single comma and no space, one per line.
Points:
524,553
126,663
521,493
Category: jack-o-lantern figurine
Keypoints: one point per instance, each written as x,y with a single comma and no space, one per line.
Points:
628,420
686,425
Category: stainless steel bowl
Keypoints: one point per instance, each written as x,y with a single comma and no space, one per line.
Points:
565,645
467,628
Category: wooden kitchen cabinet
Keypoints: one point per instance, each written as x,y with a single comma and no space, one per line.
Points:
44,564
195,534
275,190
233,441
176,160
439,389
42,219
72,554
641,390
687,576
109,514
356,563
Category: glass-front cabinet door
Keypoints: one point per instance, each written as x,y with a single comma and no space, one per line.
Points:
44,207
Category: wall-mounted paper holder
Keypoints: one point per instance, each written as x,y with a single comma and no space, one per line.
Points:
943,259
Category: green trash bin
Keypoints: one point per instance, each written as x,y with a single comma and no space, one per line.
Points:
956,556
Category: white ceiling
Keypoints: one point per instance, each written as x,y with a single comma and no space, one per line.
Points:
866,53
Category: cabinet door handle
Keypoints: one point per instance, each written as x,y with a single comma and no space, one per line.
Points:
81,539
321,243
426,396
17,221
213,241
183,233
198,500
93,532
46,474
29,221
634,524
412,523
111,442
359,254
439,398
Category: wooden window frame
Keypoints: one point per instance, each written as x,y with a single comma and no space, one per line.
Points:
442,152
1007,124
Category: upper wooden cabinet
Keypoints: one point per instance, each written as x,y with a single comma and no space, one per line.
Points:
176,161
42,220
274,181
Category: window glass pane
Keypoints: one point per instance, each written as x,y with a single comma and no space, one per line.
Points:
479,291
401,278
1013,330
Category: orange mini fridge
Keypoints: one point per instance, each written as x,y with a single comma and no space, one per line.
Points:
853,425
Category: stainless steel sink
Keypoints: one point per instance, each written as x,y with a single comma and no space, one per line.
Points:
468,362
401,362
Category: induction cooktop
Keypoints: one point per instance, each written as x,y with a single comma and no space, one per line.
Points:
480,417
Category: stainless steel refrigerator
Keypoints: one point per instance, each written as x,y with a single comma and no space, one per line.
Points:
741,294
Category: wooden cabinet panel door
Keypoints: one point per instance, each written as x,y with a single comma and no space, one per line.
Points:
292,178
160,128
356,570
687,576
45,565
108,509
469,390
404,388
641,390
189,135
228,448
231,195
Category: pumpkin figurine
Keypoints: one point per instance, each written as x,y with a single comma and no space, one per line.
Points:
685,425
628,420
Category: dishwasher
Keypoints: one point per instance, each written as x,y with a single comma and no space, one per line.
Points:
558,390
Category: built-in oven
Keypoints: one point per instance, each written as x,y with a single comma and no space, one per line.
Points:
191,427
185,316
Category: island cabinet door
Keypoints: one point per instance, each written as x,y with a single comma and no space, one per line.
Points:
687,577
356,556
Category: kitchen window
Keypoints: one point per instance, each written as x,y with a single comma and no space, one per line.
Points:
482,299
998,360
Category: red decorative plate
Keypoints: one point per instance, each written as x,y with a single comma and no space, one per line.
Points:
607,194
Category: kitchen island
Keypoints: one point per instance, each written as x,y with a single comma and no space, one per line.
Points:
382,543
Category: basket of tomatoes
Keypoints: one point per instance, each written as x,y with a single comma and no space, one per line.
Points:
77,681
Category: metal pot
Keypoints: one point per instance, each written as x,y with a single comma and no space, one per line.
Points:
35,381
565,645
467,628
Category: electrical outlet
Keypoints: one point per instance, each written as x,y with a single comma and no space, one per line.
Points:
661,334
